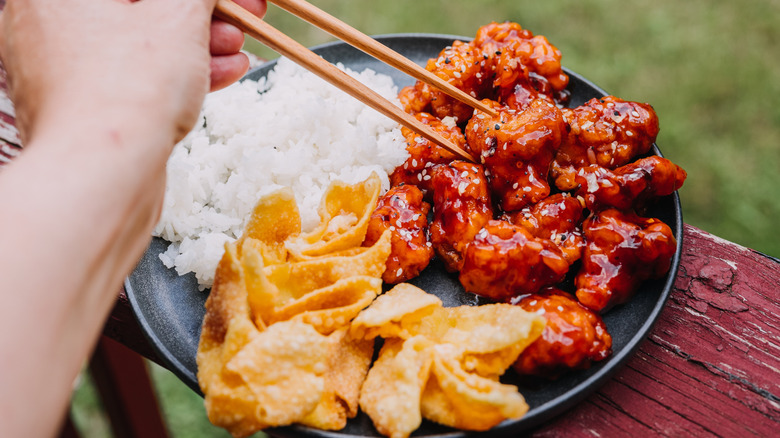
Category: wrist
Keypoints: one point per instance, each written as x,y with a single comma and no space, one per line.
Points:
130,135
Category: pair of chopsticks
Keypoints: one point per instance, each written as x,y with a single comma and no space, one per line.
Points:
286,46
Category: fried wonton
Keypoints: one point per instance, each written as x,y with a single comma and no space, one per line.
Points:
457,398
393,388
347,367
274,220
275,345
344,214
393,313
441,363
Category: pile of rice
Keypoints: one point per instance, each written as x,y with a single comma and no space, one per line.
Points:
290,129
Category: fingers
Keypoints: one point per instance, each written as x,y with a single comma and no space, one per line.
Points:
226,69
226,39
227,64
256,7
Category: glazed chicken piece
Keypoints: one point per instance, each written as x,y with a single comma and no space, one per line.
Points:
461,207
515,56
609,132
621,250
517,148
402,211
504,261
521,97
424,154
504,62
573,338
630,185
557,218
458,64
416,98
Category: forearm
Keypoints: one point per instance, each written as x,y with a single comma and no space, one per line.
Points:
101,90
95,224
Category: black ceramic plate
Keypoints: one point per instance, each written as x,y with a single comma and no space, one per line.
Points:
170,309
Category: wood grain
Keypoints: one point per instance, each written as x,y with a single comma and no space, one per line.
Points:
711,365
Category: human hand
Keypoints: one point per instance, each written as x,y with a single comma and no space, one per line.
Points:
102,91
146,61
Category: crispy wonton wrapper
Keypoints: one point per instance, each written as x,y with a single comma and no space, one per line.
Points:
348,364
442,364
274,219
391,315
275,346
457,398
344,214
393,388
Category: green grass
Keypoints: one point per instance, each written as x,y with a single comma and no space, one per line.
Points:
710,69
87,411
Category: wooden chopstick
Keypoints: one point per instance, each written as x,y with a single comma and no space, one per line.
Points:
286,46
359,40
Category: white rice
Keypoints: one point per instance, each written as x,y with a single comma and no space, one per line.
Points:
291,129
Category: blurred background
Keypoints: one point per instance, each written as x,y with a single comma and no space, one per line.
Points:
710,69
